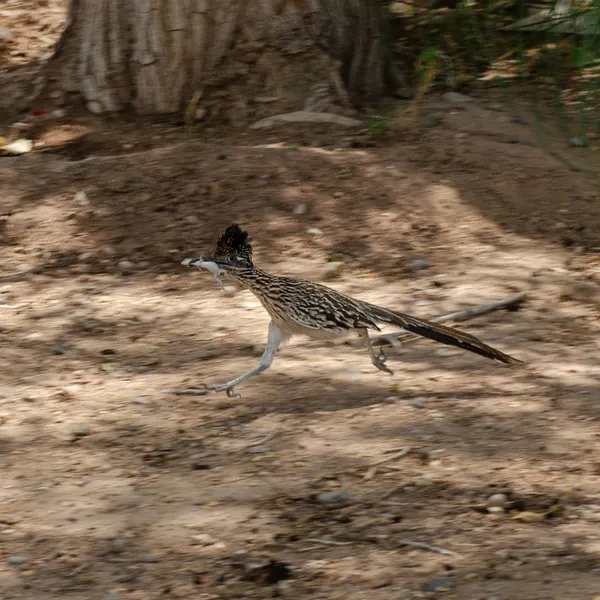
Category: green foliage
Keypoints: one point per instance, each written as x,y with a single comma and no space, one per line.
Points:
377,124
545,56
582,57
429,57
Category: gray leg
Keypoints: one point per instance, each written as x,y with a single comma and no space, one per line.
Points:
377,360
275,338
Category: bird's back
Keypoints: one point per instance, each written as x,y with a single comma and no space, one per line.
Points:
304,307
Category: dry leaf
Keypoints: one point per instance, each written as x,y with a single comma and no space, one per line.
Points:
20,146
370,473
529,517
555,509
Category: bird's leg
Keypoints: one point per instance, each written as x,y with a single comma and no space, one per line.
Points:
377,360
275,338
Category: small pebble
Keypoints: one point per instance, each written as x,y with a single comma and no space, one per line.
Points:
456,97
495,510
72,389
150,559
204,539
125,265
418,402
314,231
95,107
418,264
6,35
334,497
440,584
82,198
332,269
428,121
578,141
118,545
257,449
497,500
300,209
283,588
141,400
80,429
58,349
16,560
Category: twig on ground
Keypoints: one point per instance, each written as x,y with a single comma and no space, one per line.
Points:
392,491
461,315
424,546
371,472
304,116
326,542
186,392
396,449
263,440
190,111
391,457
19,274
310,549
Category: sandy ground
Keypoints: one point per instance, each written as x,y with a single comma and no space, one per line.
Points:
113,487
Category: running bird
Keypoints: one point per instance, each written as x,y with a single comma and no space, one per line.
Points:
298,306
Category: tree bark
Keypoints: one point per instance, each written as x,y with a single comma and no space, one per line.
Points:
241,58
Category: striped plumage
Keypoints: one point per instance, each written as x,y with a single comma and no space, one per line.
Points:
298,306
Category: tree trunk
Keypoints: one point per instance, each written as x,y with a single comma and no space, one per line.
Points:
243,59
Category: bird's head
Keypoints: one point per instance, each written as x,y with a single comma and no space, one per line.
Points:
232,254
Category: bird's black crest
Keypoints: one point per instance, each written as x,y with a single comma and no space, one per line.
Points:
234,241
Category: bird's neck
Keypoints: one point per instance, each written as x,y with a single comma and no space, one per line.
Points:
252,278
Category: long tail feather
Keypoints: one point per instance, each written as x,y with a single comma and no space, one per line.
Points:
440,333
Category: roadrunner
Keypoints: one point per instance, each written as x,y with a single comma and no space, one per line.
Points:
297,306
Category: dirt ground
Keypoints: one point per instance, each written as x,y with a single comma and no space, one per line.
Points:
327,479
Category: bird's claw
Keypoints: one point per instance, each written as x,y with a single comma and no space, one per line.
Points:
382,357
381,366
228,389
380,361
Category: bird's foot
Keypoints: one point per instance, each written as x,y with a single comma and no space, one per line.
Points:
379,362
225,387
